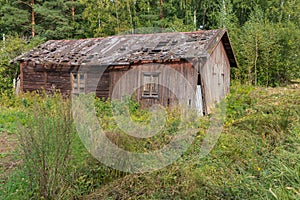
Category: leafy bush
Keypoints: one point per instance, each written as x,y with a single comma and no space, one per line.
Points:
12,47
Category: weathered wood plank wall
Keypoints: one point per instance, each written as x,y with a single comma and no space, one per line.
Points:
178,80
177,83
215,75
36,76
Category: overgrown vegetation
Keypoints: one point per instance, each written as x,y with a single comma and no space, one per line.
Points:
45,143
12,47
257,155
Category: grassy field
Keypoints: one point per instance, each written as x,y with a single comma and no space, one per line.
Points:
256,157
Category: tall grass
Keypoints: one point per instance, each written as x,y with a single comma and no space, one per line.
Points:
45,142
256,157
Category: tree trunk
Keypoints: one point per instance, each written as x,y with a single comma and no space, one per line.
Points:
223,14
195,5
131,18
185,13
195,18
203,14
255,61
203,19
73,11
117,16
161,12
32,19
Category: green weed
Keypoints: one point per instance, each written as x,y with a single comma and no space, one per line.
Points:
256,157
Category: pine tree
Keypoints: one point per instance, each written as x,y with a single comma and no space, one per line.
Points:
9,49
14,18
260,51
53,19
248,53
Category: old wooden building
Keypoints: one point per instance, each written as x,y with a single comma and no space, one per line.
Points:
191,68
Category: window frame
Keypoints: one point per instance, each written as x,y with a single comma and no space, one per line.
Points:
152,94
79,82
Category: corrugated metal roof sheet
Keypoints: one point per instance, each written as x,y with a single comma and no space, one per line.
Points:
127,49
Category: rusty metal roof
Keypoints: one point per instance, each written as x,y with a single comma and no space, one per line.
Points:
127,49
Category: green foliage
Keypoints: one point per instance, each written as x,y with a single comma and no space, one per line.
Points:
16,186
45,141
265,50
54,19
109,113
238,102
9,49
257,156
47,19
9,119
289,57
265,34
13,18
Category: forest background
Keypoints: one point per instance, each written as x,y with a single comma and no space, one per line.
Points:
265,33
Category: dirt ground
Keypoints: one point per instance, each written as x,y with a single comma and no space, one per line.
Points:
8,160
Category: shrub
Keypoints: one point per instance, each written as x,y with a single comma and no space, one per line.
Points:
45,143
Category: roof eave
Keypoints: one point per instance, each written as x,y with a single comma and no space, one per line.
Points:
229,50
223,36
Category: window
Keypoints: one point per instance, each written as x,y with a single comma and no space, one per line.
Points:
78,83
150,84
